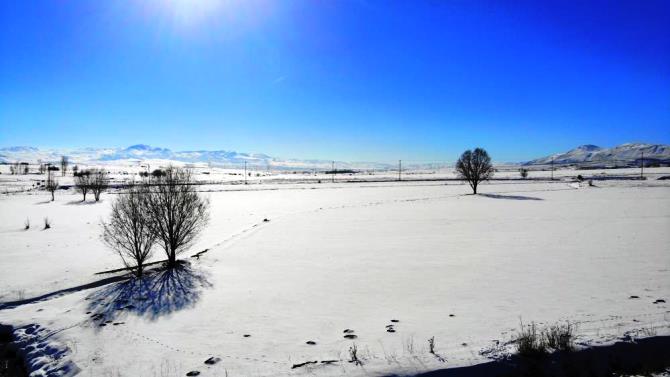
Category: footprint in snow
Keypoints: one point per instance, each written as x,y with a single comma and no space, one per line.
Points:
212,360
350,336
193,373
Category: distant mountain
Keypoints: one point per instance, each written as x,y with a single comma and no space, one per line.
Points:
622,155
139,153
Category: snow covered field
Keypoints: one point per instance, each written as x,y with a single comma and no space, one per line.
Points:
464,269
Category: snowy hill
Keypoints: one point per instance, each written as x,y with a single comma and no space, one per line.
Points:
624,154
135,154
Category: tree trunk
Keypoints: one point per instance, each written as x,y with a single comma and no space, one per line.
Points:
172,260
52,196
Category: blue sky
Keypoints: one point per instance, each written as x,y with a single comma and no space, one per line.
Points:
346,80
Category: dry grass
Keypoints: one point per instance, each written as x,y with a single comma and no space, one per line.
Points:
533,341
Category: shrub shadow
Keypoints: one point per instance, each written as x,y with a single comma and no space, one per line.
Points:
159,292
510,197
642,357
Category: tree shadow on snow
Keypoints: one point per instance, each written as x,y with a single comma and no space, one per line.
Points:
82,203
510,197
159,292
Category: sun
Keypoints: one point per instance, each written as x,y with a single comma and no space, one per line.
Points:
189,13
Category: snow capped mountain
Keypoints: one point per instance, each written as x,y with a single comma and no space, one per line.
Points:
135,154
629,153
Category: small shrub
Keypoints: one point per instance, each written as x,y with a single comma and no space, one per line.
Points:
648,331
523,172
353,355
409,345
47,223
26,224
531,342
560,337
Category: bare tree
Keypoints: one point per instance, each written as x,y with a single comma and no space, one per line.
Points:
51,185
64,162
127,232
98,182
82,181
176,212
474,167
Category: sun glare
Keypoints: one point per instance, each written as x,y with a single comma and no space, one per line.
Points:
190,13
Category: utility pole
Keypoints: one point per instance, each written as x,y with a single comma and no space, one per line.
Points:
333,172
245,172
642,166
552,169
400,170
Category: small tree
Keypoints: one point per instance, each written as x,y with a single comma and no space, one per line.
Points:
51,185
175,210
523,172
158,173
127,232
82,181
474,167
98,183
64,162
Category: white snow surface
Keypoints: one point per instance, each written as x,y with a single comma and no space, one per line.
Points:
335,257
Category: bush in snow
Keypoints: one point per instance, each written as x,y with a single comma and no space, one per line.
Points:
353,355
560,337
531,341
523,172
47,223
127,232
